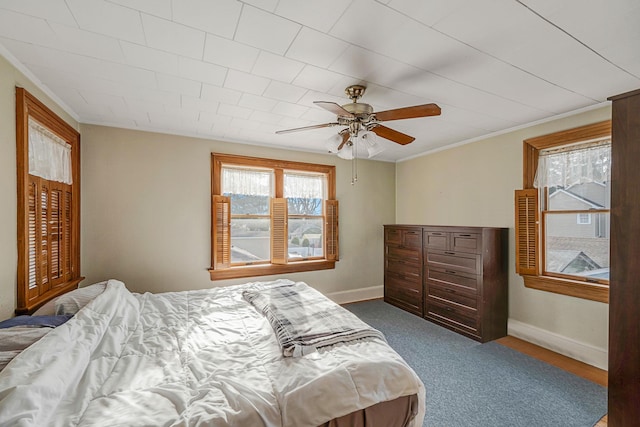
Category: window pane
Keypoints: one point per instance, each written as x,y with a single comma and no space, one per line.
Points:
305,238
250,240
575,248
304,193
249,190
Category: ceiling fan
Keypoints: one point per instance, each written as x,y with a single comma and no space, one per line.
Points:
360,121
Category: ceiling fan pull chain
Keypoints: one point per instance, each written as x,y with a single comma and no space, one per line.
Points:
354,162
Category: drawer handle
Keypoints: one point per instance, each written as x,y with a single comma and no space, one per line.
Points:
450,271
451,291
450,253
412,232
436,234
448,308
465,235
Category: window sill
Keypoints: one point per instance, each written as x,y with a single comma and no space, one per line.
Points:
574,288
270,269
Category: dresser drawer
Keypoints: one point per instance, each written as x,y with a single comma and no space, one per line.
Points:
466,242
451,278
398,280
411,307
404,297
453,294
403,267
436,240
404,253
454,315
454,261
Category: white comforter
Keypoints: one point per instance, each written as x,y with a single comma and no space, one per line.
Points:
190,359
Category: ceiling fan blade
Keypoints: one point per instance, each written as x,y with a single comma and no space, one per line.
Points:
324,125
392,135
334,108
409,112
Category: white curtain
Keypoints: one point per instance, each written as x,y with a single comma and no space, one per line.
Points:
574,165
246,181
304,186
49,155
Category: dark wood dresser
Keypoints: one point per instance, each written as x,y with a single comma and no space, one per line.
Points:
453,276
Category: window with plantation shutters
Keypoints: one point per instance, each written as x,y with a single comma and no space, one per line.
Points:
271,217
562,213
48,165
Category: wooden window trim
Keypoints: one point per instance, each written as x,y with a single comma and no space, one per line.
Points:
531,150
228,271
28,106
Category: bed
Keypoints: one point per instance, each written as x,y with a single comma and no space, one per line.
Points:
201,358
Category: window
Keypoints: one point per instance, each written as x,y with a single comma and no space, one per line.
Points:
584,219
562,214
271,217
48,167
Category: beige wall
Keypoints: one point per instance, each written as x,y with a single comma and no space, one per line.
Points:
146,212
474,184
10,77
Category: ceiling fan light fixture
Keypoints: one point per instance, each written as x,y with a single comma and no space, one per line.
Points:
371,143
347,151
333,143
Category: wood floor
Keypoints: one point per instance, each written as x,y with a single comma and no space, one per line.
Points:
580,369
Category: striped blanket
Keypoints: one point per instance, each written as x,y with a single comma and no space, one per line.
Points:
304,320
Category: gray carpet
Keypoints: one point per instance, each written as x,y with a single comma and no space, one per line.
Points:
473,384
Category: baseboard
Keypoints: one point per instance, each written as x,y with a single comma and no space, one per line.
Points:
578,350
355,295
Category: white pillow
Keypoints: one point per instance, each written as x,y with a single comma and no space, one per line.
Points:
71,302
48,309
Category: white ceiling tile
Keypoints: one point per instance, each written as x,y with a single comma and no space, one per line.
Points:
217,17
277,67
256,102
171,83
266,117
19,27
86,43
171,37
592,23
201,71
317,14
290,110
319,79
229,53
220,94
52,10
268,5
103,99
160,8
192,103
284,92
149,59
100,16
244,123
427,12
246,82
265,31
234,111
143,106
214,118
316,48
141,94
